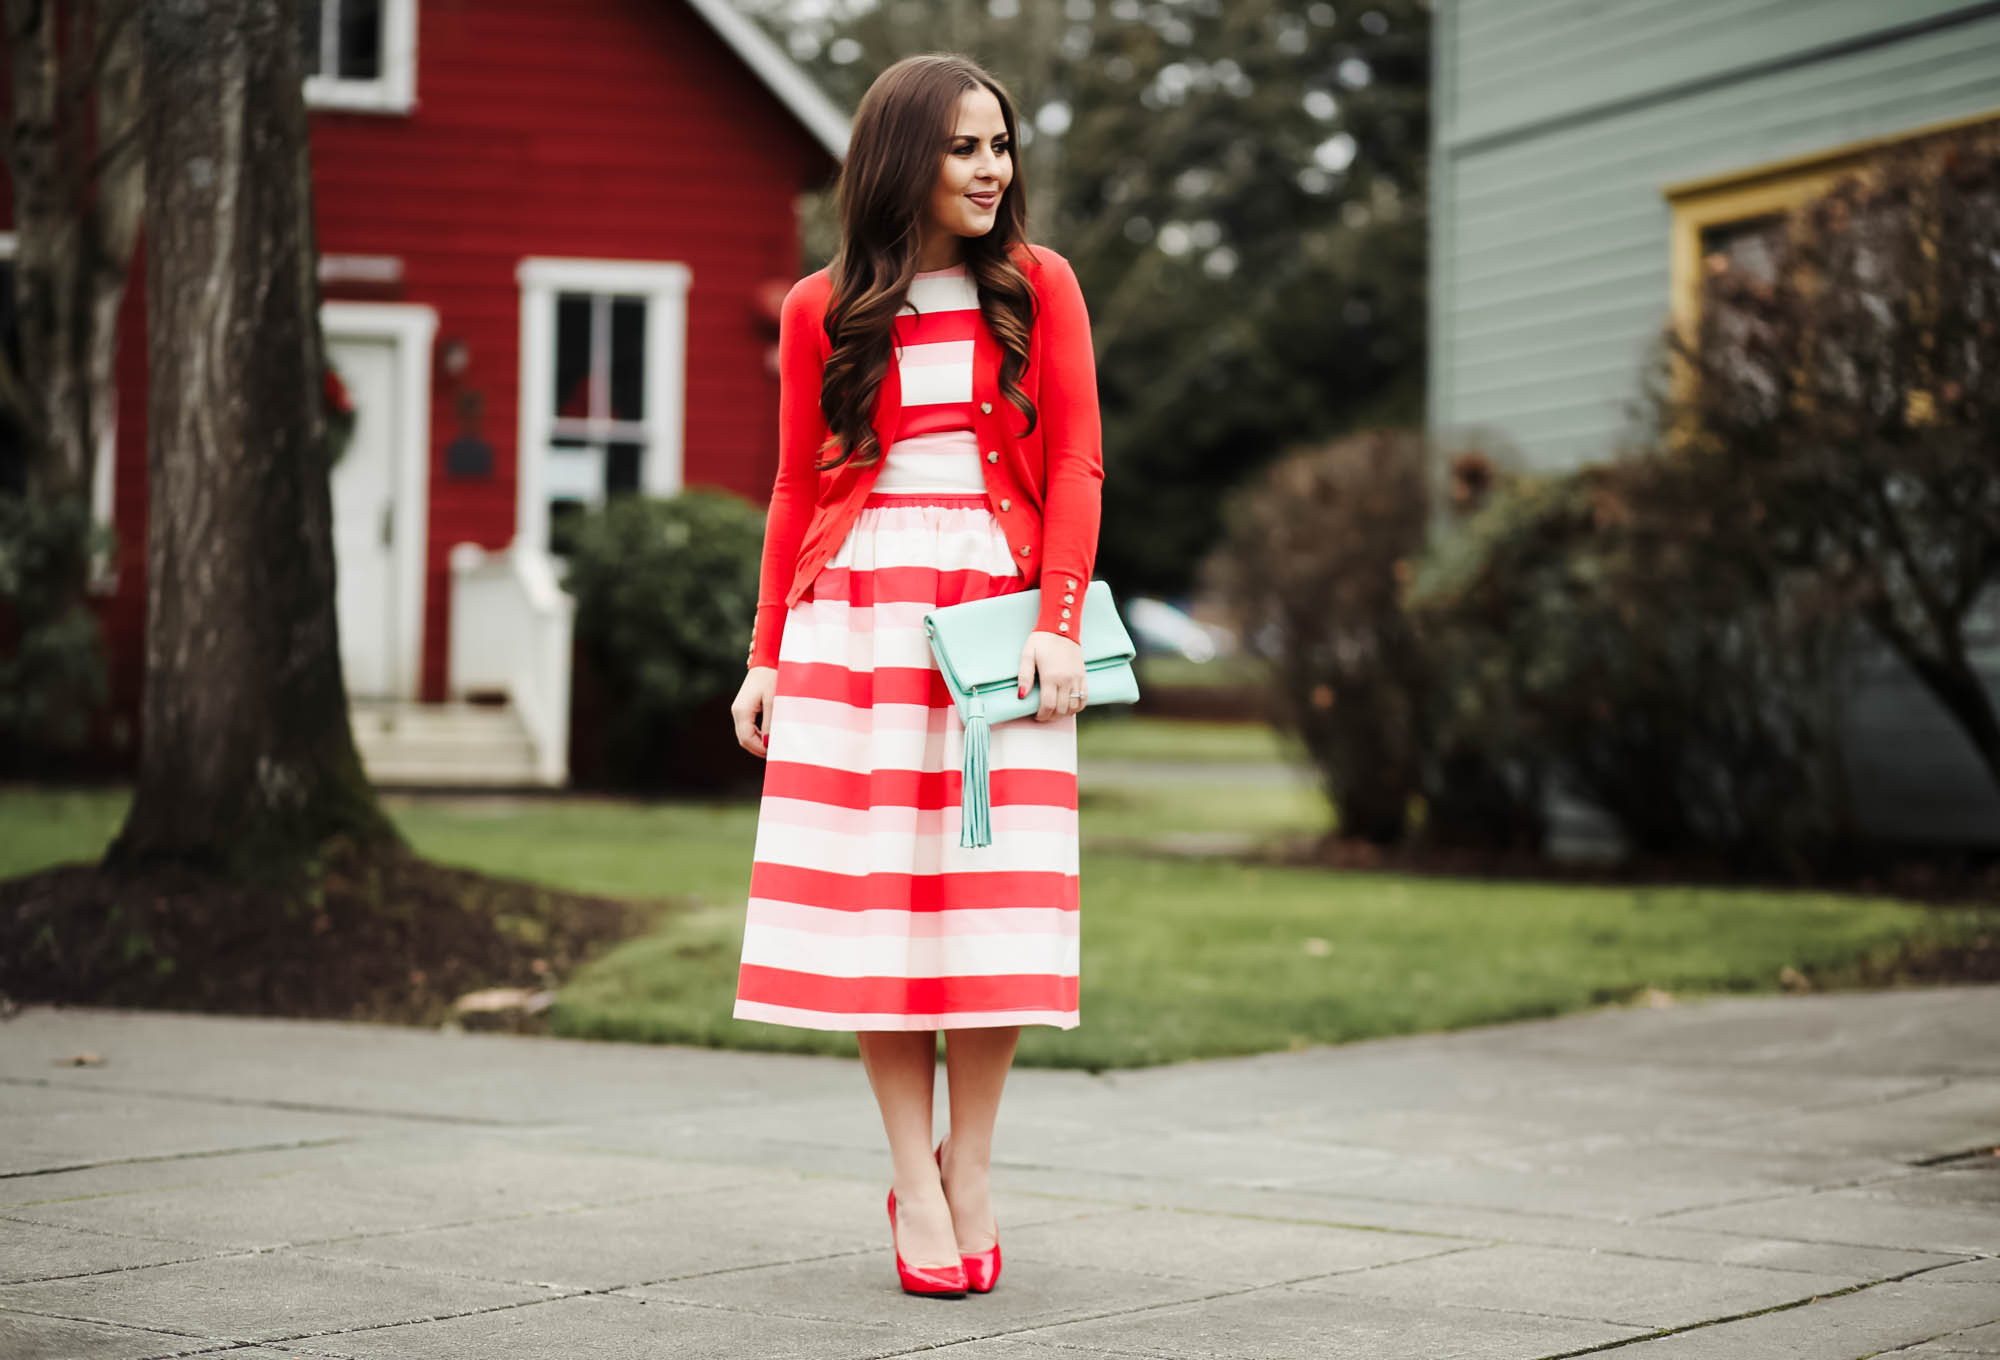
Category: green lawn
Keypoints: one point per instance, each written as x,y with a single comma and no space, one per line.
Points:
1182,957
1116,733
1205,958
1115,815
1161,668
43,827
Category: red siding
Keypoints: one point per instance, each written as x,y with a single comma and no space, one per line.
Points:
612,129
604,129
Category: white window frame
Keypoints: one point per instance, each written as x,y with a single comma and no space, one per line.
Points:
104,471
664,286
395,89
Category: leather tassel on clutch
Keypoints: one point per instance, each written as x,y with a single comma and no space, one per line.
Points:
976,827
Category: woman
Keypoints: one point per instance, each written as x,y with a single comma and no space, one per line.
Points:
938,442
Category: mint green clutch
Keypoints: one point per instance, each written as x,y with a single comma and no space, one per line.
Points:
978,648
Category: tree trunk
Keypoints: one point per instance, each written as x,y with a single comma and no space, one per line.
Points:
247,762
1955,682
73,154
116,204
45,260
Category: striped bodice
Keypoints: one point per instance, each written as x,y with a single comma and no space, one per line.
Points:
935,449
933,335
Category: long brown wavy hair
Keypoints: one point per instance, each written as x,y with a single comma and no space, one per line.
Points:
900,136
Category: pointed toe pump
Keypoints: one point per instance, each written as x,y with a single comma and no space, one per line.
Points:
982,1268
932,1282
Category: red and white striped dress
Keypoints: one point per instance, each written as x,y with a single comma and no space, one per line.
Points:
865,912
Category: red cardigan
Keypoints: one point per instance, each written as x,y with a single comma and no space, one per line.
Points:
1044,486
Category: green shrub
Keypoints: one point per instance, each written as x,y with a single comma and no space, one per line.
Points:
1312,568
1623,631
1844,378
1307,569
666,593
1450,642
52,664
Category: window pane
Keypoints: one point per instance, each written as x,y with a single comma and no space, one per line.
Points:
563,518
574,470
360,39
621,468
628,358
574,480
1749,245
573,355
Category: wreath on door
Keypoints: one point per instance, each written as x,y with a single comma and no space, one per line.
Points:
339,415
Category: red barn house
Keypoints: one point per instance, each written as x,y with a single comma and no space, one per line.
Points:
548,237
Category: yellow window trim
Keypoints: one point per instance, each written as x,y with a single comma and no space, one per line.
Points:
1773,187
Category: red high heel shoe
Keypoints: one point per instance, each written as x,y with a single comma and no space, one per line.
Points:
982,1268
933,1282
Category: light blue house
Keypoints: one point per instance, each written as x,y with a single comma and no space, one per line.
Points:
1588,153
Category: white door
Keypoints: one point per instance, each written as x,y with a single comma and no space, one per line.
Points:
365,526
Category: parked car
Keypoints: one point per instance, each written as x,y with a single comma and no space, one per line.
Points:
1161,628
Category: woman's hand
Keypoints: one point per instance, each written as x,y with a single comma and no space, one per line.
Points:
752,703
1059,664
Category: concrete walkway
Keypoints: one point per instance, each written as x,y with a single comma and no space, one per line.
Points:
1798,1178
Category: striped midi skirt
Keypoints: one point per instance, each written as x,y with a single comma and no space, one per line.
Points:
865,913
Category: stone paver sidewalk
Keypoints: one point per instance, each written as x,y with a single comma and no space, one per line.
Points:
1805,1178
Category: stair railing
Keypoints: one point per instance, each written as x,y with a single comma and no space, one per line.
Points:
511,624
